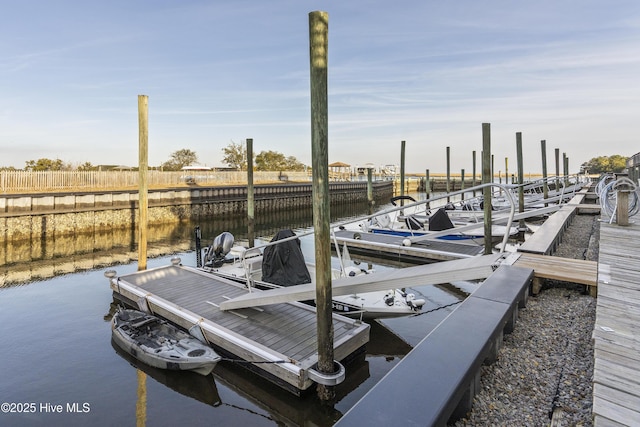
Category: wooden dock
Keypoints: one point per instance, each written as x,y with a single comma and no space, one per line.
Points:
616,335
571,270
280,340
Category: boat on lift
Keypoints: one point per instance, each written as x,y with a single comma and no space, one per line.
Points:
281,263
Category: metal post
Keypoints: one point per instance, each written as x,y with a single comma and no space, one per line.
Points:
143,186
318,53
487,177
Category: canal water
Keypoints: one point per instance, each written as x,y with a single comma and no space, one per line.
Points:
59,366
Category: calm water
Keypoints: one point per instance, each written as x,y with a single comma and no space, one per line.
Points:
59,366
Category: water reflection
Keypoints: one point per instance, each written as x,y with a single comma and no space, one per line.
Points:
24,261
81,364
275,403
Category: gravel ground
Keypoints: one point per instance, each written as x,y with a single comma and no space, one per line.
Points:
545,366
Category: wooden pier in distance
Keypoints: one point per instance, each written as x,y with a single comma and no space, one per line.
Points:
280,340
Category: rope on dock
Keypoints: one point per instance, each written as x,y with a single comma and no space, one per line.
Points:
436,309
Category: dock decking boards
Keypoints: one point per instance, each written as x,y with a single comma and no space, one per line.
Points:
287,332
616,379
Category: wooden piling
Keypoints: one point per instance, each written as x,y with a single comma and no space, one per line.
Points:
462,183
318,55
448,173
506,170
370,186
143,186
520,177
545,184
250,193
427,186
557,156
473,178
487,177
402,176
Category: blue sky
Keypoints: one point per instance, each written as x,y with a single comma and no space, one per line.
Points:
216,72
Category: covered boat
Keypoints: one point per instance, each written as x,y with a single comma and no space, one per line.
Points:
157,343
281,263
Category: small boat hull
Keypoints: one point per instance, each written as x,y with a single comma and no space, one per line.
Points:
159,344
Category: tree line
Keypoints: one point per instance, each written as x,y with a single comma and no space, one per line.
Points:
235,157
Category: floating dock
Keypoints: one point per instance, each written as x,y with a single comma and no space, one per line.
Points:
279,341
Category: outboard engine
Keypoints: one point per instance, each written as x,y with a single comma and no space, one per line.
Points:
219,249
390,298
413,302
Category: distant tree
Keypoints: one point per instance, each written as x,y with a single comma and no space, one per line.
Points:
8,168
604,164
86,166
275,161
46,165
180,159
235,156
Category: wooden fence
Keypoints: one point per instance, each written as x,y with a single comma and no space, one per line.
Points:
43,181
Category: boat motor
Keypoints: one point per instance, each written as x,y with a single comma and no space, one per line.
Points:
219,249
414,303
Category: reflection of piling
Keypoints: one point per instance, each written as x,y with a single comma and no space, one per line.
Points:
318,39
143,166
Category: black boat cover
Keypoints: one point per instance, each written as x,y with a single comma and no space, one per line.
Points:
440,221
283,264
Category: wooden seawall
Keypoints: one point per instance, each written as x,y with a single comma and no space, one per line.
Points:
32,215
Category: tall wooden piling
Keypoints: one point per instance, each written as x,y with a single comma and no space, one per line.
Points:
143,185
545,183
427,186
506,170
370,186
318,55
557,157
402,153
473,172
462,183
143,208
520,177
487,177
250,193
448,173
